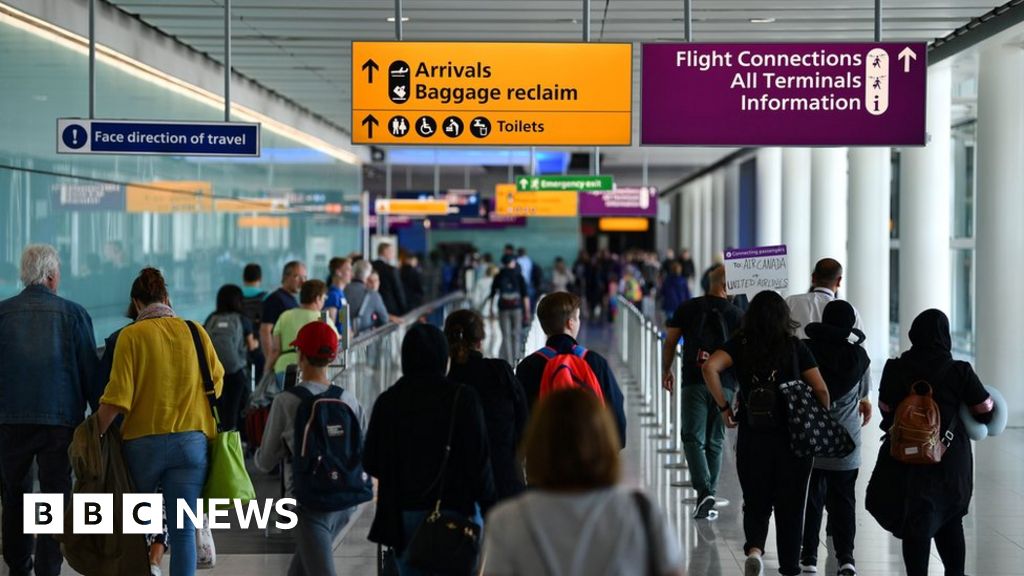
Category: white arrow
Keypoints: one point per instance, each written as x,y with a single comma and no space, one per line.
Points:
907,55
523,182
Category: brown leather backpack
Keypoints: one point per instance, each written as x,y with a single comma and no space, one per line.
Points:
915,435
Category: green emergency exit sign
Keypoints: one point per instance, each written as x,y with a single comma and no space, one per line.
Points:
578,183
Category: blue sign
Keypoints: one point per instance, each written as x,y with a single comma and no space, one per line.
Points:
77,136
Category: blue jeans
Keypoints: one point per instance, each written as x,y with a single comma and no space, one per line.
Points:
177,463
314,541
411,520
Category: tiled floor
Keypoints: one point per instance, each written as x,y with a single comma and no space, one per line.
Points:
995,527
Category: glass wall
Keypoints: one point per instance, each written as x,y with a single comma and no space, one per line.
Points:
198,219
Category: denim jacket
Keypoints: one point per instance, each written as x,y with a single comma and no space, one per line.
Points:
48,363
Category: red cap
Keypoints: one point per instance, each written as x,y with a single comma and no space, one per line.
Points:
317,340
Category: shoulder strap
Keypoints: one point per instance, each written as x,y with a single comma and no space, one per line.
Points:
204,371
362,304
301,391
646,517
579,351
547,352
439,481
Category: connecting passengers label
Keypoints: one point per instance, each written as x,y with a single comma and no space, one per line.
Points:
784,94
480,93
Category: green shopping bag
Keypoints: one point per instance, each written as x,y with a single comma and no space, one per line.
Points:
226,476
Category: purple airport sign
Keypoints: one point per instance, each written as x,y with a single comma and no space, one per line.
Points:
622,201
827,94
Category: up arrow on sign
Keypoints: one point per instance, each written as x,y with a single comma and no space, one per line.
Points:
907,55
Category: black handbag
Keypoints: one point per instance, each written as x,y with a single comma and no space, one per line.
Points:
813,432
446,542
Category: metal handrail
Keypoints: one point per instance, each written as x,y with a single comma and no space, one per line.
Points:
410,317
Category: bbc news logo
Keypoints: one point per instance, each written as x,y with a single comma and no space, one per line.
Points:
144,514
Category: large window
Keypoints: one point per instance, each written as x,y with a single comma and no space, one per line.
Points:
45,198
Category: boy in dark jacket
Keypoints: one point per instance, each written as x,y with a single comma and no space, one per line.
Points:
559,315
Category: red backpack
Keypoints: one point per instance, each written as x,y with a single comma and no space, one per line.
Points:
568,371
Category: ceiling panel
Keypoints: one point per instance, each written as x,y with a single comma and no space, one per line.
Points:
301,49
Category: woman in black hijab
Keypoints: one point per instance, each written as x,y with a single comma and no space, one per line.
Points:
405,445
844,366
918,503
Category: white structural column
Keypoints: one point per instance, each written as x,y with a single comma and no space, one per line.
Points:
717,213
796,216
707,223
999,233
732,206
769,196
866,275
924,220
828,204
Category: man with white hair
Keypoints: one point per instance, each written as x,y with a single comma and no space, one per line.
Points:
365,304
49,369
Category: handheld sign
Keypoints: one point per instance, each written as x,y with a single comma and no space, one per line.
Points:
822,94
77,136
752,270
492,93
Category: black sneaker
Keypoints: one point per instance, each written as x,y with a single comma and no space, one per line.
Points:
808,566
704,508
847,570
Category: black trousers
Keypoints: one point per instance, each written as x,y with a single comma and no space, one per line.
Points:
773,480
229,405
20,445
835,491
949,541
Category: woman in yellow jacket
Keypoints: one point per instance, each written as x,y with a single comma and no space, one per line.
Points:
155,383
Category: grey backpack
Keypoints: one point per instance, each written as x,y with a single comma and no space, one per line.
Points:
228,339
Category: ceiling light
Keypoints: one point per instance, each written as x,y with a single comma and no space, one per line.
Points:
163,80
762,20
392,18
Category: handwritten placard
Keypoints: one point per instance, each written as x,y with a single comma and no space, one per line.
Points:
752,270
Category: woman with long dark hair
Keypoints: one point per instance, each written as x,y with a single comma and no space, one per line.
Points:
233,337
501,396
765,354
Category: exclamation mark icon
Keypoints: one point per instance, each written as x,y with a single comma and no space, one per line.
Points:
74,136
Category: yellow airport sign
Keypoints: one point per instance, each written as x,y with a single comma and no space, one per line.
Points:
271,222
623,224
163,196
492,93
246,205
510,202
412,207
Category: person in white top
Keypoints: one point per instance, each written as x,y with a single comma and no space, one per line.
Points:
825,281
577,520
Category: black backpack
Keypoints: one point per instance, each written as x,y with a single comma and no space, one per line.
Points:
252,308
327,465
509,296
712,332
763,406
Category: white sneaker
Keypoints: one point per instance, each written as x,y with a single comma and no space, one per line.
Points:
847,570
808,569
754,566
154,570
